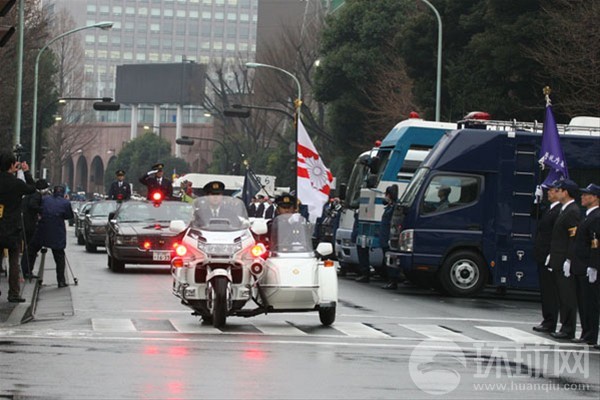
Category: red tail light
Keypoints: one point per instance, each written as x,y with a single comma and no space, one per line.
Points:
258,250
180,250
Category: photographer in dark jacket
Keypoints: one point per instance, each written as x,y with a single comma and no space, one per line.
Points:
12,190
32,210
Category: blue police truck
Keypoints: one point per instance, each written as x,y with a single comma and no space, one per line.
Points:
400,154
465,220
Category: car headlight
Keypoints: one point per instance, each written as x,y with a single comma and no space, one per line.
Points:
219,249
407,240
126,240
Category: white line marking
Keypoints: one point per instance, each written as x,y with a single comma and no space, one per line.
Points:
273,328
517,335
113,325
193,325
437,332
356,329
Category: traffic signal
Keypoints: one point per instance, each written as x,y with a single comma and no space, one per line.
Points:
185,141
237,113
6,31
106,106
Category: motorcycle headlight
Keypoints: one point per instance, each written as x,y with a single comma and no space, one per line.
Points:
407,240
215,249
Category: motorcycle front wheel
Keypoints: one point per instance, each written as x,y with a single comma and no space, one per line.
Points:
219,298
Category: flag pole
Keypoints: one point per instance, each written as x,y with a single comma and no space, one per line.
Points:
298,107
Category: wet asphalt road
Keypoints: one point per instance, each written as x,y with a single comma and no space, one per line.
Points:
124,336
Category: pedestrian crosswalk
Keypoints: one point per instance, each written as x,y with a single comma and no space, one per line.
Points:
189,325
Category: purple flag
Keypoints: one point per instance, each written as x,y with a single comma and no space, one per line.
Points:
551,152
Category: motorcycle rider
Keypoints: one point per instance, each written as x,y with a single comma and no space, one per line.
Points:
210,206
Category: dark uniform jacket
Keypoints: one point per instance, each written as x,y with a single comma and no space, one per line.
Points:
32,209
386,224
562,246
51,231
166,186
12,190
119,193
585,255
543,233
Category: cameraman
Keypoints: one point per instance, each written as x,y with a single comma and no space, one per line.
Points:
11,192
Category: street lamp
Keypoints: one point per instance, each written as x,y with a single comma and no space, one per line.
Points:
105,25
438,86
297,102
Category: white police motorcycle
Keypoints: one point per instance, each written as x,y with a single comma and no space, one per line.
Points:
219,265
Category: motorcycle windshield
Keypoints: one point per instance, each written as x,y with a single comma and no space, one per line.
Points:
291,233
219,213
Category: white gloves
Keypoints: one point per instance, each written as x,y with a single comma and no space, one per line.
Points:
567,268
539,194
152,172
547,263
592,274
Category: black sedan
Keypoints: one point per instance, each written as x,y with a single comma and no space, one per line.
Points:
94,223
79,218
138,233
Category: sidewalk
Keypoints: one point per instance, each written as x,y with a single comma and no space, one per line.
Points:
17,313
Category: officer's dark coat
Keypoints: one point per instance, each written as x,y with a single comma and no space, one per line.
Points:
119,193
51,231
562,245
166,186
11,193
585,256
543,236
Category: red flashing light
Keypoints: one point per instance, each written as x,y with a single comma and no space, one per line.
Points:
479,115
378,143
258,250
147,245
157,196
180,250
414,115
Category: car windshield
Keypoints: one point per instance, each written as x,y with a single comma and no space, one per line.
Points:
103,208
146,212
220,213
291,233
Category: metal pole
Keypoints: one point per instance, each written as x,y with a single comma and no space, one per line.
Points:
297,104
438,86
19,94
101,25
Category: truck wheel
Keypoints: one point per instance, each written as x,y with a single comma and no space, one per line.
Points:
219,301
463,274
327,315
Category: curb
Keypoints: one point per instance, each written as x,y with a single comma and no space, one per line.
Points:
25,312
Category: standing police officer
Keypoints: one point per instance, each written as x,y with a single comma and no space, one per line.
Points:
51,231
541,246
119,189
585,265
155,181
12,190
562,253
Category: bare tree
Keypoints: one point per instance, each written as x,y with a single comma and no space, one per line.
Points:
571,55
60,139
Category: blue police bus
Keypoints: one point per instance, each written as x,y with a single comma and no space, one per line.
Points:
483,233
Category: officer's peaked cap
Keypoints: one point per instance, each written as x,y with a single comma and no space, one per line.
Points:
565,184
214,187
285,200
120,172
158,166
591,189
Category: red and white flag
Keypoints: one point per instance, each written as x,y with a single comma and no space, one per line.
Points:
314,179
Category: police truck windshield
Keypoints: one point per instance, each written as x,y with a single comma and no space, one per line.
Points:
413,187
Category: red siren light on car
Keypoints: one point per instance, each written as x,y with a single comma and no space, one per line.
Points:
258,250
414,115
479,115
378,143
157,198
